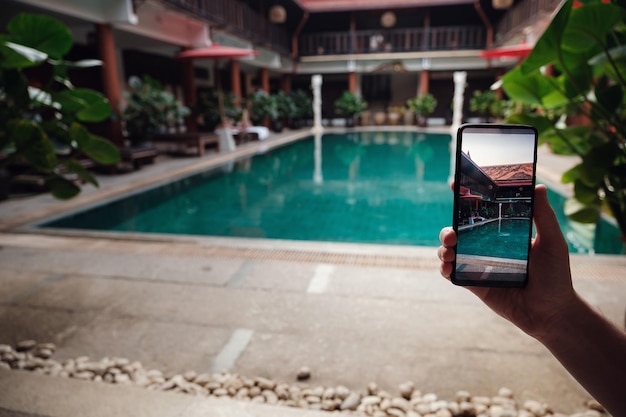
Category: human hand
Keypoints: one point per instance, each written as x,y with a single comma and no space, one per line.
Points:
549,291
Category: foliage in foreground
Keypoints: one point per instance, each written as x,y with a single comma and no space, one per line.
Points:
40,123
586,49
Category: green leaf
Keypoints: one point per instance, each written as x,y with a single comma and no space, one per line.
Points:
615,53
609,97
597,162
15,86
572,140
85,63
98,108
41,32
62,188
32,143
571,174
88,105
584,193
578,78
20,56
584,213
99,149
589,25
526,88
541,123
102,151
545,50
75,167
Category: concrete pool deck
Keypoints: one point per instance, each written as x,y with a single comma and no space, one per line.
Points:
352,313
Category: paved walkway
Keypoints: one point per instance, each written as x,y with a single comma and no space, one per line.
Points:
352,313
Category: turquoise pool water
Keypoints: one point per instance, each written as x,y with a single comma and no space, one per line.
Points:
499,239
368,187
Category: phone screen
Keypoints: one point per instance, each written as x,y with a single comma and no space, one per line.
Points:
494,186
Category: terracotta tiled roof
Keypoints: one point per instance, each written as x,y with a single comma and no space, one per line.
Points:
342,5
509,173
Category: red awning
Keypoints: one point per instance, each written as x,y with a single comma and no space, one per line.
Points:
216,51
513,51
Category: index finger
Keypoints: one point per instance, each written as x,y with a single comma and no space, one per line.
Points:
447,236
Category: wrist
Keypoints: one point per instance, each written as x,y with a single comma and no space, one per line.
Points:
561,322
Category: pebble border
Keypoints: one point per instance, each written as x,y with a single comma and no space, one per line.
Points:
28,355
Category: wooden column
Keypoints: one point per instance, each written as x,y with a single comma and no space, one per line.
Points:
424,81
189,94
236,81
286,83
352,82
265,80
110,80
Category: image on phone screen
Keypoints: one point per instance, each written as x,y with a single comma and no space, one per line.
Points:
493,202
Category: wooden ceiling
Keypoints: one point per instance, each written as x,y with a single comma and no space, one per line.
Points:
314,6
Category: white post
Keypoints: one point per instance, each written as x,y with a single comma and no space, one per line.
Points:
316,85
457,116
318,177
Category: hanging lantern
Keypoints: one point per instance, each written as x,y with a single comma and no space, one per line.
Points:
501,4
388,19
277,14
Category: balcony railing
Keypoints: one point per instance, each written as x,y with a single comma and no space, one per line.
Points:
522,15
395,40
239,19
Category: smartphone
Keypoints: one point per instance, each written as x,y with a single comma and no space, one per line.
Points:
494,189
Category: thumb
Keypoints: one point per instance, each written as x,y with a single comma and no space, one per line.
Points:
546,223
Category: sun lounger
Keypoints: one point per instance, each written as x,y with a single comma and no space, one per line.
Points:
181,141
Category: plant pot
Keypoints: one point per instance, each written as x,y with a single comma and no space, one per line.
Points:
380,118
366,118
350,121
5,184
277,125
393,118
295,123
409,118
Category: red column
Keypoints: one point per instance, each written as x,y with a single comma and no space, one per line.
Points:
265,80
424,81
286,83
235,81
189,94
352,82
110,80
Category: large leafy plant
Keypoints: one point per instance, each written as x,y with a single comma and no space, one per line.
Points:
423,104
350,104
262,106
150,109
208,108
487,105
584,50
39,123
303,103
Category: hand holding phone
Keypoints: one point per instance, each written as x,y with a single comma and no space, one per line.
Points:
494,187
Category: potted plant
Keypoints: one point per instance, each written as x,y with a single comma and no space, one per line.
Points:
262,108
208,109
304,108
150,110
350,105
482,103
422,105
38,122
286,110
585,47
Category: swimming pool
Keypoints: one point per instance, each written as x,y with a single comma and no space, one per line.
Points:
505,238
362,187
